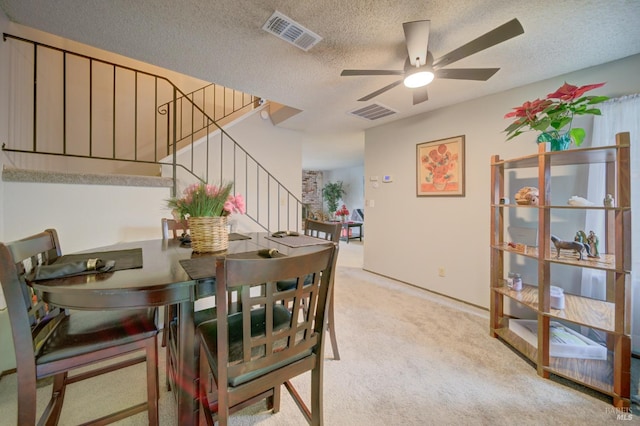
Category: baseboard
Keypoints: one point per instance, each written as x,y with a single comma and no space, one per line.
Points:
7,372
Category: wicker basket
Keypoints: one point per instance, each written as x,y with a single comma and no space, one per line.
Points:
208,234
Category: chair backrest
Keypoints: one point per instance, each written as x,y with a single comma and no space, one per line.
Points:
170,227
329,231
263,333
32,320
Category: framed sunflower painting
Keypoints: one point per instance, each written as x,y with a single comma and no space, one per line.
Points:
440,168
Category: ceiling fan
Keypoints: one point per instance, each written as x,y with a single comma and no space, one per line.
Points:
420,68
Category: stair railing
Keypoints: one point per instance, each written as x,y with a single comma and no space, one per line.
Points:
89,108
217,102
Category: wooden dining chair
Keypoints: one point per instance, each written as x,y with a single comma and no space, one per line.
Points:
329,231
248,355
50,341
171,228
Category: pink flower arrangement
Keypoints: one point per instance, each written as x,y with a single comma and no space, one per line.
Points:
206,200
235,204
555,111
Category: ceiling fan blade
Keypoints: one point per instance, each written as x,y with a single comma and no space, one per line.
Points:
420,94
502,33
480,74
371,72
380,91
416,35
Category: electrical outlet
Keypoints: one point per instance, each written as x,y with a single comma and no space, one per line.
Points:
441,272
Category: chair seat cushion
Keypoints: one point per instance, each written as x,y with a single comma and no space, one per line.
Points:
204,315
291,283
208,334
84,332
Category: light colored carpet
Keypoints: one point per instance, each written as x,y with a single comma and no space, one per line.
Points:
408,358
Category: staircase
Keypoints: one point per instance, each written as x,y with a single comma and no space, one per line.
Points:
90,116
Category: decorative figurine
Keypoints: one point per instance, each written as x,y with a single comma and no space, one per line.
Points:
576,246
580,237
527,195
608,201
593,241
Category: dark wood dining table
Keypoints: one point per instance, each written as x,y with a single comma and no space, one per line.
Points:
160,281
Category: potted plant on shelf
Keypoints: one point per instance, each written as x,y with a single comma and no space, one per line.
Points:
206,208
332,193
552,114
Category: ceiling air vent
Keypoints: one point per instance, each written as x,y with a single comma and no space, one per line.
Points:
289,30
373,112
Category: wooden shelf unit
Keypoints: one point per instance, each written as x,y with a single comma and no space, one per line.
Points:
611,316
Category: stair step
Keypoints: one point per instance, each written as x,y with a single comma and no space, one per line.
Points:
10,174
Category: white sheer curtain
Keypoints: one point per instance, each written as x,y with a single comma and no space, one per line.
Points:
618,115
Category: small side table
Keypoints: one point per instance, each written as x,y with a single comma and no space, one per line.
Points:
347,233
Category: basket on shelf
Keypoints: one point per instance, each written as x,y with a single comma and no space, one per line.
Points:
209,234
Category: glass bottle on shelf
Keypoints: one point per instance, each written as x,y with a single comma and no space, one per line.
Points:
517,282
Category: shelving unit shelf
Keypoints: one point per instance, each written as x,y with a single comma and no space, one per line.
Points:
609,320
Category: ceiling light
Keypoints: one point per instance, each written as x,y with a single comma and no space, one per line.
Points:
419,78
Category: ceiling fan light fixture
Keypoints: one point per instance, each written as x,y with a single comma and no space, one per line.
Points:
418,79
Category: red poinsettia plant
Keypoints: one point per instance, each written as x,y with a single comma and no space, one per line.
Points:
555,111
342,211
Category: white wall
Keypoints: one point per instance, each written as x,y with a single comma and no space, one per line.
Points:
315,145
280,152
409,237
85,216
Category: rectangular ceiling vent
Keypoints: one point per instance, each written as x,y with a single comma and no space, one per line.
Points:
289,30
373,112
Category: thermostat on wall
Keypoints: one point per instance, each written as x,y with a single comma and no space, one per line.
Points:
387,178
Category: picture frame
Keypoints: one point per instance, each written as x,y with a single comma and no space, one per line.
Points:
440,168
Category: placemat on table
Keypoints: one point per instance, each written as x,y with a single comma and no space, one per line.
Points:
77,264
125,259
199,268
234,236
297,241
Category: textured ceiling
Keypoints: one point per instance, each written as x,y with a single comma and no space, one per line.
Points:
222,41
